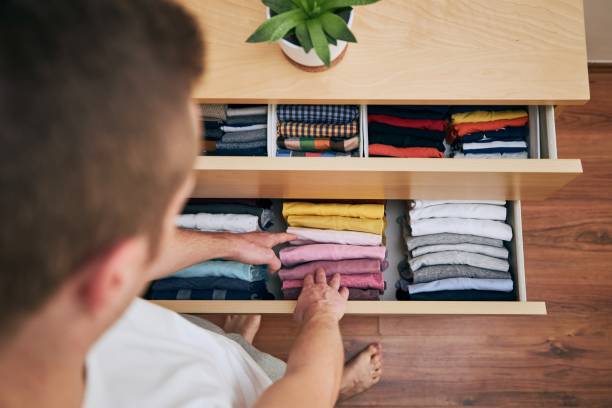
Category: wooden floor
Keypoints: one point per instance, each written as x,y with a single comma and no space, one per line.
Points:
563,359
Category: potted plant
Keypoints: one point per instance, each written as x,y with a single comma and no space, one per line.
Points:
312,33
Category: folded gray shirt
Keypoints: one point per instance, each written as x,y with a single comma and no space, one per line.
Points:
459,258
437,272
246,136
448,238
489,250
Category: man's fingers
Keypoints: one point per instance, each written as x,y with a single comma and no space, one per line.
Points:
320,276
280,238
274,264
308,281
335,281
344,292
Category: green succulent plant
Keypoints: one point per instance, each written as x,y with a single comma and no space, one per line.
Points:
315,23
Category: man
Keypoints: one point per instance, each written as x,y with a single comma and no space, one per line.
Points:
97,141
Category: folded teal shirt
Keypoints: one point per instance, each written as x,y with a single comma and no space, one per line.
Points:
228,269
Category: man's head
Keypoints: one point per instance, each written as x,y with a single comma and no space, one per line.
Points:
96,145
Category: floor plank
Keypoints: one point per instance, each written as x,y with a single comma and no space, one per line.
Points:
563,359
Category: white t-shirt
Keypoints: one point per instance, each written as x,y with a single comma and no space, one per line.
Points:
152,357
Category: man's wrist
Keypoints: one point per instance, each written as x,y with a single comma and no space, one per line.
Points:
227,246
320,312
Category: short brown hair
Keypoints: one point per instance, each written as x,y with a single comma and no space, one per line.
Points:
89,90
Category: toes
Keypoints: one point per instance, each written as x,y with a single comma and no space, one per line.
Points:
376,361
374,349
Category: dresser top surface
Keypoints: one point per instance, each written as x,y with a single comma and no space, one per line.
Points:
408,51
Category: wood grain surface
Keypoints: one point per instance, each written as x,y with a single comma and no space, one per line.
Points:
381,178
563,359
409,51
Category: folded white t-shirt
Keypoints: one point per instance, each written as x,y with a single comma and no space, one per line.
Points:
152,357
219,222
482,228
499,285
429,203
455,210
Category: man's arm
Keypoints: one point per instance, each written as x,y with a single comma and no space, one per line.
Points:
189,247
315,365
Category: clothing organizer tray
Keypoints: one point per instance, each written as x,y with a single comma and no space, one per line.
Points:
392,178
389,306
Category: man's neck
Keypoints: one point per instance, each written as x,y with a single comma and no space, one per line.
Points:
39,367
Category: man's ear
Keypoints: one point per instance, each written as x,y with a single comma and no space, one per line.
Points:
113,276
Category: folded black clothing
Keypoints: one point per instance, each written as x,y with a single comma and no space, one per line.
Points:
383,128
264,214
410,111
403,141
486,108
207,294
508,134
244,105
259,151
253,202
458,295
212,124
246,120
213,134
208,282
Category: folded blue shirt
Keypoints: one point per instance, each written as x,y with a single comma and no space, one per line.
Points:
228,269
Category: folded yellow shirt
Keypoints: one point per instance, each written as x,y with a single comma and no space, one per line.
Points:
486,116
338,223
371,211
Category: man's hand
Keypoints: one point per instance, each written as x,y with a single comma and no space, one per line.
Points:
318,298
256,248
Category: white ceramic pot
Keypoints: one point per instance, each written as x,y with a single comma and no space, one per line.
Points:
310,58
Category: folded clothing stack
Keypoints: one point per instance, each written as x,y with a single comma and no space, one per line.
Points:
339,238
317,130
406,131
219,279
213,280
455,251
235,130
489,132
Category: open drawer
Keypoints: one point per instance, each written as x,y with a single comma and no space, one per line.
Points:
393,178
388,305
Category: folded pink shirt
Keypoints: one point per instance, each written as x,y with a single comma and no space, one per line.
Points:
335,237
329,252
360,281
345,267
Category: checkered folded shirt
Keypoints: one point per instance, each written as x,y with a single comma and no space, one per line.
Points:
299,129
334,114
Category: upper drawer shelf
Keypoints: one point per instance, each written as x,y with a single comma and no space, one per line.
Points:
409,52
381,178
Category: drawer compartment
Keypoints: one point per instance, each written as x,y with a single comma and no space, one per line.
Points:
393,178
388,305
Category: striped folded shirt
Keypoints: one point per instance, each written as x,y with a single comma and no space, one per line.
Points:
311,144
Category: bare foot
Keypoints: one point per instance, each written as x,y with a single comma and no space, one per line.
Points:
362,372
245,325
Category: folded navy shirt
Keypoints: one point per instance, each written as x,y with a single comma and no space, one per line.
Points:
209,282
486,108
458,295
259,151
384,129
208,294
411,111
508,134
